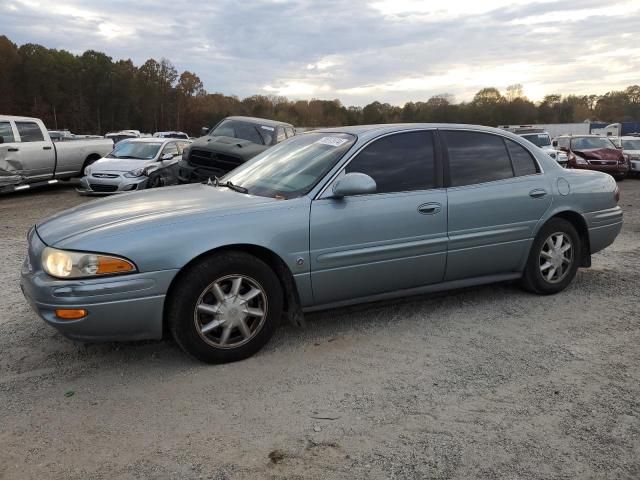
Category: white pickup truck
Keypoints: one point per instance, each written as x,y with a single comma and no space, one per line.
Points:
29,157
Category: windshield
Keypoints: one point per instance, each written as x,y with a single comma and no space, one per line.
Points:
631,144
587,143
538,139
253,132
292,168
135,150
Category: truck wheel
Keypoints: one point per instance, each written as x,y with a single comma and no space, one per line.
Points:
553,259
225,308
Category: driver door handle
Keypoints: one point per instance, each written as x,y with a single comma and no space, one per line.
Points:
13,149
429,208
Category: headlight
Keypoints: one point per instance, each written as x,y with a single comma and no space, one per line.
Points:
135,173
580,160
185,154
65,264
87,171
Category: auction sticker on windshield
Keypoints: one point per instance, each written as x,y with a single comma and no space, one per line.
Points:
332,141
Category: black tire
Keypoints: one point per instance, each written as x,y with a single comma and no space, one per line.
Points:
533,279
192,284
155,181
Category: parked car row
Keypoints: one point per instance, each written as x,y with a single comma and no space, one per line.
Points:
323,219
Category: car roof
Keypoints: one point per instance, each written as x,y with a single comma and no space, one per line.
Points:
381,129
262,121
155,140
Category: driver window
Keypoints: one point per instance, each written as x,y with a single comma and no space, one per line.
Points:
400,162
6,132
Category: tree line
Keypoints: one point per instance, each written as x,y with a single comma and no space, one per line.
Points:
92,93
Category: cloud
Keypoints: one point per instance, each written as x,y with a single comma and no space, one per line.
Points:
359,51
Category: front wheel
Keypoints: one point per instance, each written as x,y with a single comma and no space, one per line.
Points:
225,308
553,259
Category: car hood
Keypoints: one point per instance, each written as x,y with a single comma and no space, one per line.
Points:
142,209
236,147
600,154
119,164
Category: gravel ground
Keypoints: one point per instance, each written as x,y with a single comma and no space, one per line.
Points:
488,382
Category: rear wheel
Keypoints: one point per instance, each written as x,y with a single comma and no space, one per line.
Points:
554,258
225,308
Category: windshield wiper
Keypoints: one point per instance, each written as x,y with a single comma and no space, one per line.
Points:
217,183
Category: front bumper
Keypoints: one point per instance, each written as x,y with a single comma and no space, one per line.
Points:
118,183
188,173
614,169
634,166
120,308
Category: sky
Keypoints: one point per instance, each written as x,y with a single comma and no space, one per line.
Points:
355,50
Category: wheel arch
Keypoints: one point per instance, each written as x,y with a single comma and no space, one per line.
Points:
292,306
92,157
580,224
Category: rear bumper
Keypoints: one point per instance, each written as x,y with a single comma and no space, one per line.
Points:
604,226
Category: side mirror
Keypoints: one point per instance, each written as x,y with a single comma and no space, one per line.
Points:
1,139
166,156
354,184
554,143
204,131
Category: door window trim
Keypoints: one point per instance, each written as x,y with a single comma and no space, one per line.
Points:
14,131
447,165
16,122
438,164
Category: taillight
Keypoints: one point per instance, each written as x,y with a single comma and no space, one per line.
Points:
616,194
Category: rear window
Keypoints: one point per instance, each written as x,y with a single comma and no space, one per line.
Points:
29,132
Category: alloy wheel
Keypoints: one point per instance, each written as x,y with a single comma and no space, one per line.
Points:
230,311
556,257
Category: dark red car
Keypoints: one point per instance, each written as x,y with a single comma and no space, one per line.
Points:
592,152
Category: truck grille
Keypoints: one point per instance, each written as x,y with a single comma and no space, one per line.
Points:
96,187
216,161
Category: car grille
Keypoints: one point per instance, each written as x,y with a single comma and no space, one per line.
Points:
105,175
216,161
602,162
96,187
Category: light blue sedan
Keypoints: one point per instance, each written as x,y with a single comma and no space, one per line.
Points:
325,219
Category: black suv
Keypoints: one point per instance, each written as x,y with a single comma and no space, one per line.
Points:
233,141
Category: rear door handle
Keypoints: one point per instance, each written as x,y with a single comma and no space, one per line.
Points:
429,208
537,193
46,148
12,149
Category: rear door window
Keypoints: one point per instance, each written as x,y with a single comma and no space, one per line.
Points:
281,135
6,132
523,161
29,132
476,157
398,163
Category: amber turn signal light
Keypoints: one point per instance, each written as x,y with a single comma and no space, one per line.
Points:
71,313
